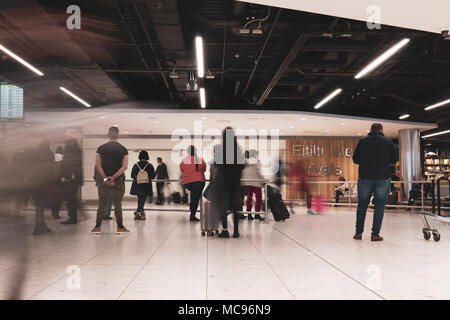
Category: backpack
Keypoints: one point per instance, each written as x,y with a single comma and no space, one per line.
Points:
142,176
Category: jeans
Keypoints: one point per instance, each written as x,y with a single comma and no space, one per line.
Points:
196,189
108,206
365,188
141,202
72,202
118,190
160,192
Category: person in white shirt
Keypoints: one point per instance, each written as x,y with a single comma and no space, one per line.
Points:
252,171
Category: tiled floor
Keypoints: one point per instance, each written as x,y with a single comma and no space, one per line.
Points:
165,257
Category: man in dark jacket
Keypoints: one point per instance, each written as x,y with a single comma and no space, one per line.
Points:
374,154
161,173
72,176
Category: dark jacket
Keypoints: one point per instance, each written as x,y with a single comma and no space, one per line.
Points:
72,163
374,154
161,172
225,187
142,189
41,176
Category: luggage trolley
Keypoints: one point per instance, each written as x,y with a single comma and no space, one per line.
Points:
427,217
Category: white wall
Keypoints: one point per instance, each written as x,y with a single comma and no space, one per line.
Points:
156,148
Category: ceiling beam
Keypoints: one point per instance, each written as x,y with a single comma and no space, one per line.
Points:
279,67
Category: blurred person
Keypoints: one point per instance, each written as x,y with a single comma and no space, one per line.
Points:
225,189
142,175
111,162
57,190
161,174
72,176
193,169
300,177
374,154
445,176
40,181
252,171
340,189
18,166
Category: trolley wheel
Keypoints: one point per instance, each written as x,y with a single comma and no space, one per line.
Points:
203,233
436,236
426,235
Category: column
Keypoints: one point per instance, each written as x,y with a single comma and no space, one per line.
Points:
409,154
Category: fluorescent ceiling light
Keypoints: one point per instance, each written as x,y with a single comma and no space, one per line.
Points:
382,58
202,98
199,52
75,97
437,105
436,134
19,59
405,116
331,96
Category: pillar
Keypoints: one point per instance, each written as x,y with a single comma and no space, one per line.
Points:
410,159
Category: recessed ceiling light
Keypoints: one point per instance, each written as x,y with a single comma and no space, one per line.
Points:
343,123
203,118
75,97
102,117
436,134
327,130
405,116
19,59
382,58
199,53
202,98
437,105
328,98
250,122
302,119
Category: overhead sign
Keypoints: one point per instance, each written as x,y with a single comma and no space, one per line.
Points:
431,16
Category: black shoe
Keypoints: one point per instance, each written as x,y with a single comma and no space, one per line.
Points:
250,217
107,218
236,234
41,230
68,221
241,216
224,234
56,216
258,217
194,219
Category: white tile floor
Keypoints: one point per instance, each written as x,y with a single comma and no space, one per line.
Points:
165,257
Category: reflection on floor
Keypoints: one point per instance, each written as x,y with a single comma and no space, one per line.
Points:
165,257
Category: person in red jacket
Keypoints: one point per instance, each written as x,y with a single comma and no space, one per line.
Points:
193,178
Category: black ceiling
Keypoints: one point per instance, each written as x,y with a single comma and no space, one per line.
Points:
126,49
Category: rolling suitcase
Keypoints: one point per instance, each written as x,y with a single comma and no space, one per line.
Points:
276,205
209,218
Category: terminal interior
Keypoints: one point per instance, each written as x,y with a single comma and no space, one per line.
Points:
268,67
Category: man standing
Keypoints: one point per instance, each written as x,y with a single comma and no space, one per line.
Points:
161,173
72,176
374,154
111,161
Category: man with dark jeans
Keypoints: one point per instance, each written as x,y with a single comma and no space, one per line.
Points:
161,174
374,154
72,176
111,161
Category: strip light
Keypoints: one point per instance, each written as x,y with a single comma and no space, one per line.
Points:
19,59
202,98
382,58
200,60
75,97
436,134
437,105
331,96
405,116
